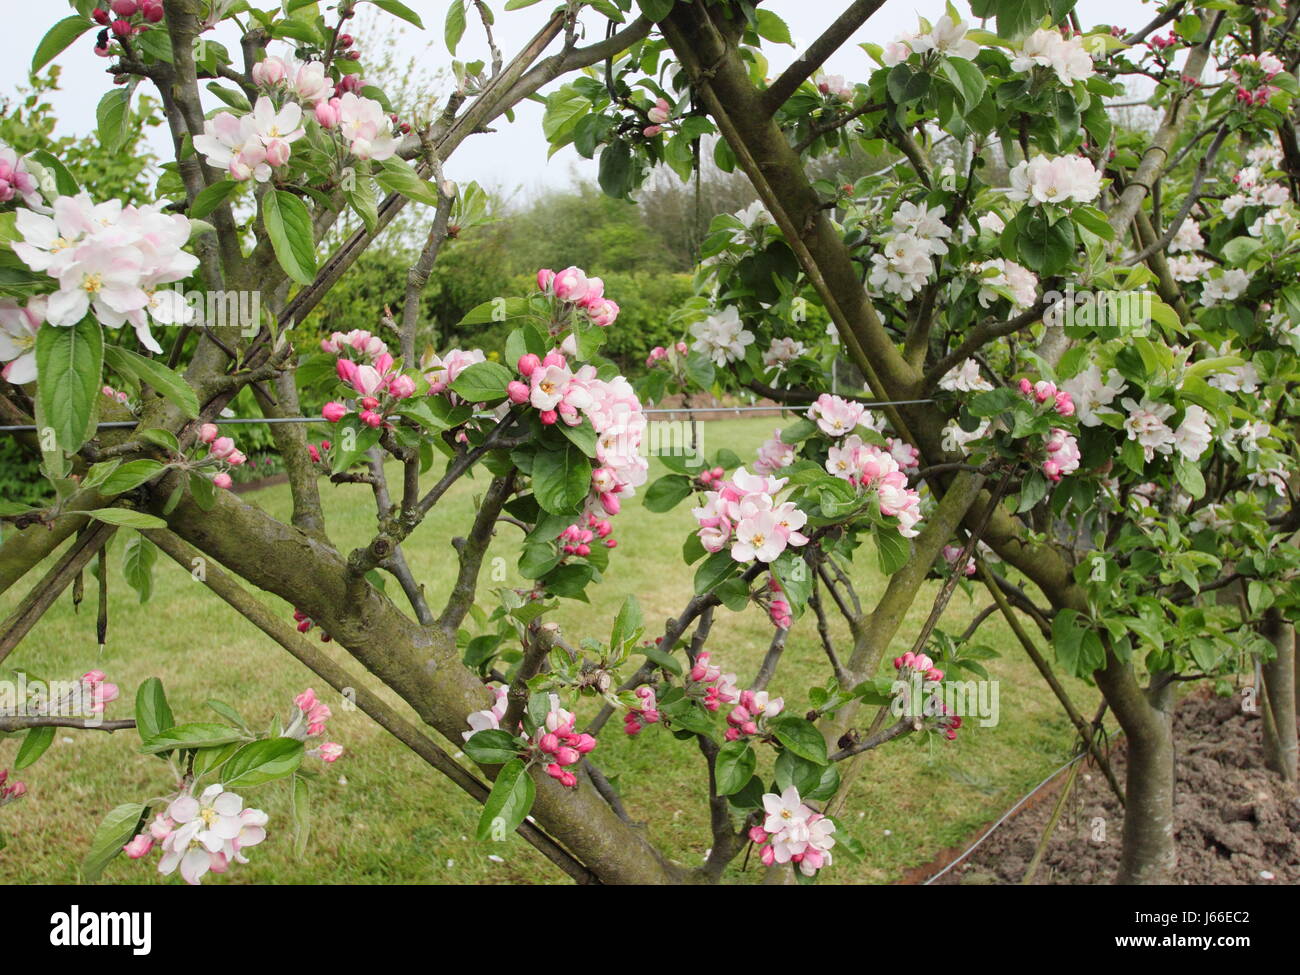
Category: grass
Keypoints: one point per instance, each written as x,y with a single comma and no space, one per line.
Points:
381,816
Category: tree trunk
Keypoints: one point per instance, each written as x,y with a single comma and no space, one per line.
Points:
1280,747
1149,855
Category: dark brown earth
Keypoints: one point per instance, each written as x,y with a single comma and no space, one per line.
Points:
1236,822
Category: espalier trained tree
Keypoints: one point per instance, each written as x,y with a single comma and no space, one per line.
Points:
1079,342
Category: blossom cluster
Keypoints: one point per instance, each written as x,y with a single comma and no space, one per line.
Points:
1147,423
793,833
743,513
906,258
751,708
560,394
722,336
947,37
123,18
110,259
710,684
574,288
562,745
871,468
1055,179
201,834
577,539
1252,73
1066,56
308,721
1019,281
10,791
646,713
222,450
379,385
304,623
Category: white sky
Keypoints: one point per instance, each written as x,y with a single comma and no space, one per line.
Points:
513,158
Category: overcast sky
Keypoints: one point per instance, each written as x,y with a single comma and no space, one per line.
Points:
514,158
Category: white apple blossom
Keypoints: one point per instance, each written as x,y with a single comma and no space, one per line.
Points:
965,378
722,336
1194,434
1048,49
1090,392
1227,286
1146,424
209,833
1055,179
18,325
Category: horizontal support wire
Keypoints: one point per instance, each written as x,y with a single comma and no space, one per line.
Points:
237,420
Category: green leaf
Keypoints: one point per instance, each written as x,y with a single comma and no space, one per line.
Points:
113,115
167,382
196,735
628,624
33,747
64,181
361,197
512,796
483,382
656,10
491,747
772,28
454,27
583,436
117,827
667,493
138,558
57,40
795,577
892,549
967,78
129,475
617,172
288,224
1190,477
262,761
561,479
733,767
713,570
211,197
1078,647
70,362
801,737
663,659
397,176
401,10
126,518
153,715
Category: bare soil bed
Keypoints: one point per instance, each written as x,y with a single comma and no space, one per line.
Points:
1236,822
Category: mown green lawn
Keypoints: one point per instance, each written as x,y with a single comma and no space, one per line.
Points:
381,816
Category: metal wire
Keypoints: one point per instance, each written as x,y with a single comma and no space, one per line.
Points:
1005,816
236,420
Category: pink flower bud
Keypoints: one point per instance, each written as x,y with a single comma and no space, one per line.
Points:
222,481
221,447
528,364
517,391
93,677
545,278
549,743
124,8
100,16
548,417
334,411
138,846
567,756
277,153
328,113
401,387
330,751
208,432
570,284
609,501
650,131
